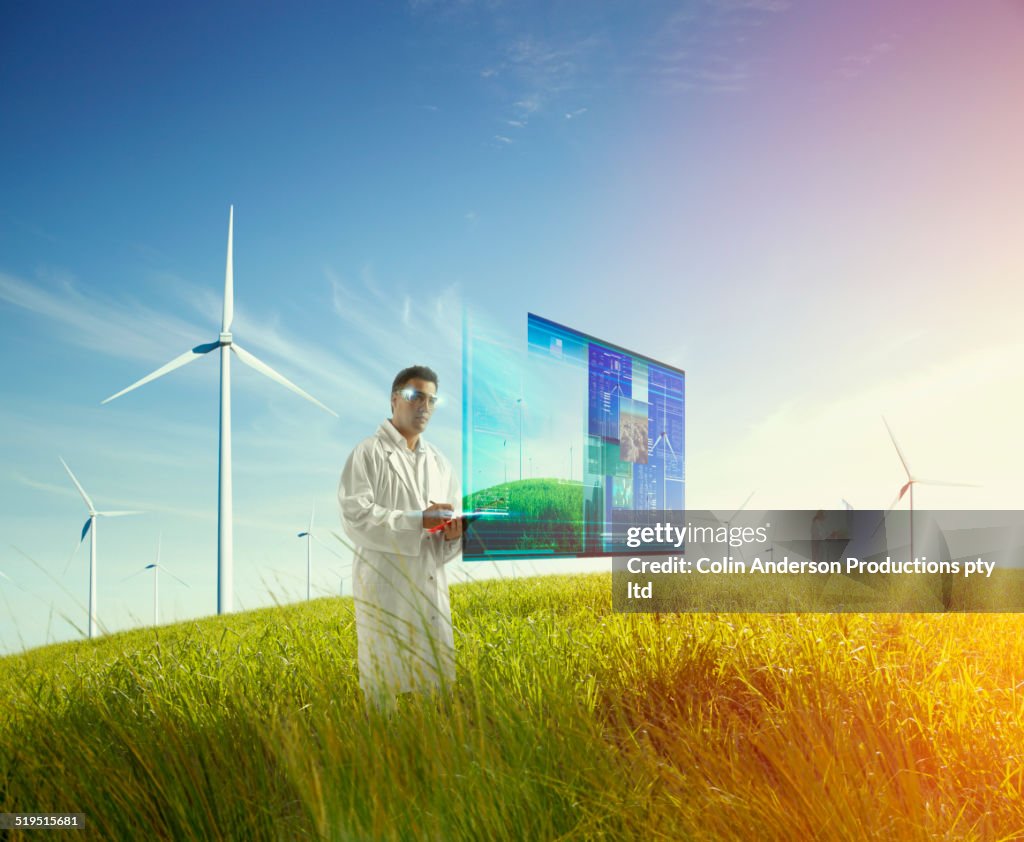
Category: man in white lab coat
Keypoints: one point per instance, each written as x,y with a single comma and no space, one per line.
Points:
397,496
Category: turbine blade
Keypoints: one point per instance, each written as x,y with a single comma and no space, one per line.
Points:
741,508
168,572
898,451
302,535
229,278
311,513
266,370
904,490
896,499
118,514
78,485
329,549
133,575
943,482
177,362
344,543
85,530
74,552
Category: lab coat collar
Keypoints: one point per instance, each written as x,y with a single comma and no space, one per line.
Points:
394,443
391,434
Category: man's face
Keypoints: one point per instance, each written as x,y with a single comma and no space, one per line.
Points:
413,416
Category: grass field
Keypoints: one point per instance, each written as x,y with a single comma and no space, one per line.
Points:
567,721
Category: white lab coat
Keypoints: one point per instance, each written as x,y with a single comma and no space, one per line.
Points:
403,618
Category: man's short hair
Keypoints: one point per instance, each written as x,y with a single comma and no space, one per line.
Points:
414,372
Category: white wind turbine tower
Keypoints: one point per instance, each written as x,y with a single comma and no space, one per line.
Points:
310,536
156,568
908,486
225,567
90,528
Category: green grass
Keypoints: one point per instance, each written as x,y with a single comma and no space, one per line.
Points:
546,513
568,721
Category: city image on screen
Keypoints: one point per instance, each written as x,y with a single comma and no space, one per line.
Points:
566,438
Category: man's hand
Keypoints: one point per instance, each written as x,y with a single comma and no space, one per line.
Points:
436,514
453,529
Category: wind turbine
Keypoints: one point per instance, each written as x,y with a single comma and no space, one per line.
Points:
310,536
908,486
729,520
90,529
226,343
155,567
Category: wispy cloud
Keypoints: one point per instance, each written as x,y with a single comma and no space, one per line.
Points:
715,77
572,115
857,64
697,47
370,316
751,5
548,69
527,105
535,75
502,139
91,320
141,505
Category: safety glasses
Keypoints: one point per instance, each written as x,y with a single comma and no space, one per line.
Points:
411,395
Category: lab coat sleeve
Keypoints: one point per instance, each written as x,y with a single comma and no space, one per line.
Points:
369,522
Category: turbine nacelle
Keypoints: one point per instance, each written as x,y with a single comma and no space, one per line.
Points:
908,486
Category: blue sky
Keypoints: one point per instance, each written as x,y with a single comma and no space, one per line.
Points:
815,209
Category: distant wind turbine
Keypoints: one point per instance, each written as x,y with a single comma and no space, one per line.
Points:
156,568
341,581
310,536
729,520
225,566
90,529
908,486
